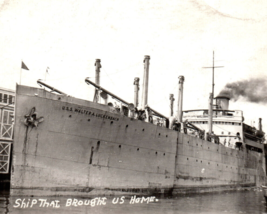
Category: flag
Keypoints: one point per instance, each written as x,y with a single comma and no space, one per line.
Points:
47,69
23,66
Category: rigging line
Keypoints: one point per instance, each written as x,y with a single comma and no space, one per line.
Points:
109,77
160,101
67,77
131,66
222,128
174,88
125,68
154,103
71,76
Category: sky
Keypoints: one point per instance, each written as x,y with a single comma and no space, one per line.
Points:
179,36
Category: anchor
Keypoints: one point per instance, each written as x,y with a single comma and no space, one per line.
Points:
31,119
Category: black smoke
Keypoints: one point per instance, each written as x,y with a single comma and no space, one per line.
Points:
252,90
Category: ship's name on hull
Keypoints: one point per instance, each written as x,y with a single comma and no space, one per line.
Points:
90,113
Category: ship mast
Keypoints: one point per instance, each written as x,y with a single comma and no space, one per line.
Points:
212,95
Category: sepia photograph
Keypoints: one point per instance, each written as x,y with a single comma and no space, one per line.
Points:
123,106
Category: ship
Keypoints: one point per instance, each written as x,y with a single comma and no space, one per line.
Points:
68,146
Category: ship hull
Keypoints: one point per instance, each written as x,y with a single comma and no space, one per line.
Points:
85,148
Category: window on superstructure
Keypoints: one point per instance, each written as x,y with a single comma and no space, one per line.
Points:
7,128
5,98
5,116
1,97
10,99
10,116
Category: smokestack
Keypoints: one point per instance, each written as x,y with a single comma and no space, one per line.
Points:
136,91
171,105
222,102
180,99
210,112
145,82
97,79
260,125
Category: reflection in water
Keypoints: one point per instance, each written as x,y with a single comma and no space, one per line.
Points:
227,202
